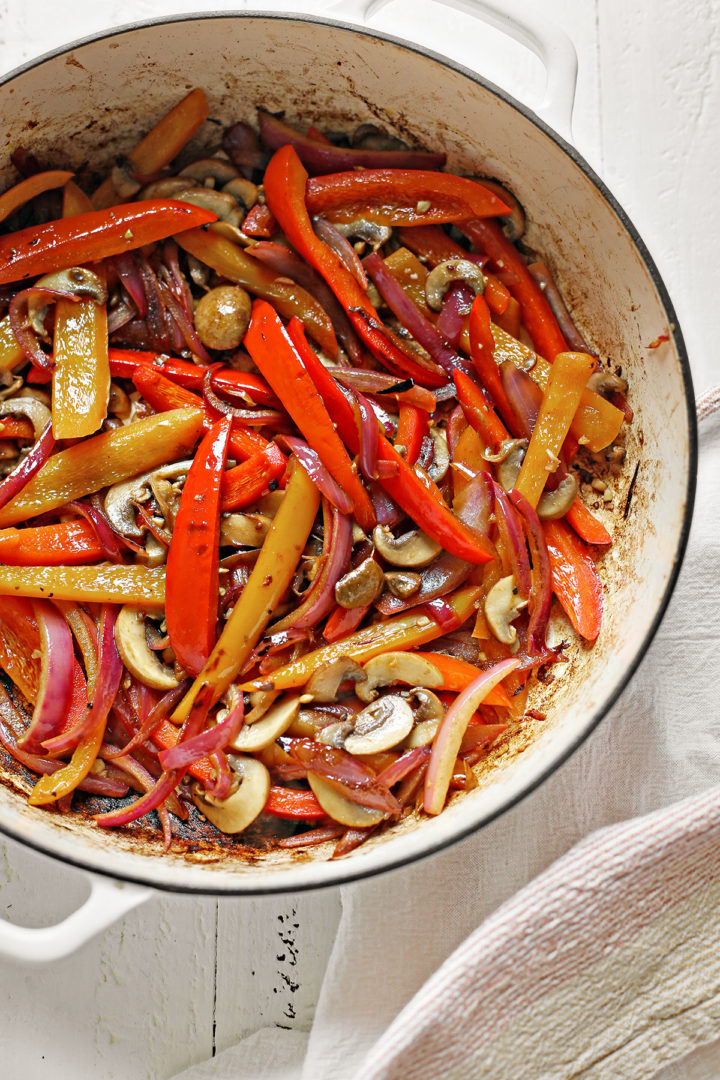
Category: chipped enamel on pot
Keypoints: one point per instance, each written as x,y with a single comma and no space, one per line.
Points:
93,100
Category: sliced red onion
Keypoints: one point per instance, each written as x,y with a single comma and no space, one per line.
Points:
324,482
182,755
142,776
105,535
320,597
155,717
524,395
251,417
404,765
96,501
155,320
120,316
342,247
94,784
455,311
107,684
474,504
242,146
129,275
541,274
184,323
412,318
222,786
56,677
313,836
380,382
513,538
28,466
541,593
442,613
387,512
454,428
320,158
351,840
347,774
367,458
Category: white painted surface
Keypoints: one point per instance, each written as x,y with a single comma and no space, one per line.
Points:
180,976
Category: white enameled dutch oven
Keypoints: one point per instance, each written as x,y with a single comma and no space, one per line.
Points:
91,100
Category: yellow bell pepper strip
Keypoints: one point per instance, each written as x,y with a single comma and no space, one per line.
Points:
570,373
277,360
575,580
162,143
400,197
94,584
192,613
11,352
55,785
75,201
65,544
104,460
27,189
20,644
411,489
271,576
394,635
94,236
288,298
284,183
453,726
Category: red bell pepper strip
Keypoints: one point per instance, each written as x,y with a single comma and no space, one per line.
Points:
292,805
586,525
397,197
259,222
284,182
431,244
482,350
537,315
16,427
412,490
413,427
458,674
125,362
575,580
243,485
342,621
191,586
90,237
276,357
479,413
66,544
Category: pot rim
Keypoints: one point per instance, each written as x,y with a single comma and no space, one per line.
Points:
354,869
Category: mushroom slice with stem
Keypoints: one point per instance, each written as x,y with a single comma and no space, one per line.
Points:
555,504
167,187
509,467
212,168
240,809
37,413
397,667
275,722
243,190
411,549
369,231
503,604
119,498
606,382
360,587
403,583
441,455
244,530
380,726
335,734
136,655
428,711
260,702
340,808
442,276
325,682
220,202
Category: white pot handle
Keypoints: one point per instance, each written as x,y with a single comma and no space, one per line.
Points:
548,42
108,901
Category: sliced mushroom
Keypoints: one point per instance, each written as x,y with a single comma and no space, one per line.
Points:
220,202
360,587
240,809
119,498
167,498
325,682
411,549
380,726
167,187
428,711
125,184
403,583
555,504
14,383
370,231
76,281
222,317
244,530
606,382
397,667
243,190
503,604
137,657
154,553
340,808
260,702
335,734
270,503
37,413
505,449
119,403
222,172
442,276
509,468
441,455
271,726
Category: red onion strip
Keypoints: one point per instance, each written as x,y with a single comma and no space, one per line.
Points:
541,274
320,597
404,765
442,613
344,772
513,538
129,275
380,382
105,535
445,574
342,247
30,464
183,754
541,593
94,784
412,318
24,333
144,779
312,836
184,323
223,776
325,483
156,715
455,311
56,677
455,427
252,417
367,458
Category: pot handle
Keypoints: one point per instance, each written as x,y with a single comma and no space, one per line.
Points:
548,42
108,901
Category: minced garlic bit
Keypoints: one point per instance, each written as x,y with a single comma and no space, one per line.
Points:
598,485
553,461
423,206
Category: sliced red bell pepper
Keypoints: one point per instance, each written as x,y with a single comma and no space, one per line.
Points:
343,621
292,804
259,222
482,350
93,236
125,362
586,525
401,197
575,580
412,490
67,543
433,245
413,427
537,315
284,182
275,356
16,427
479,413
244,484
191,584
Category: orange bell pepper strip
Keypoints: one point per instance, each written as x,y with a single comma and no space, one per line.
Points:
166,735
570,373
411,489
243,485
20,644
479,413
31,187
413,426
457,674
431,244
114,584
125,362
192,613
94,236
586,525
103,460
270,578
16,427
575,579
288,298
482,350
541,324
292,805
468,459
400,197
284,183
278,361
65,544
397,634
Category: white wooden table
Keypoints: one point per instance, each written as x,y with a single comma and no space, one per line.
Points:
179,978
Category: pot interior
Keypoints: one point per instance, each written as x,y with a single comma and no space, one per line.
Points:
93,101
